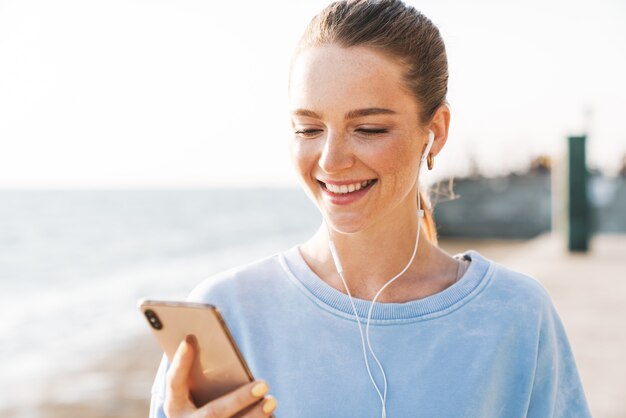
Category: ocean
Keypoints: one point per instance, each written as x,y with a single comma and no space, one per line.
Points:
74,263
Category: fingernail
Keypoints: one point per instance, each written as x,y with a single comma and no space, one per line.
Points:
183,347
269,405
259,389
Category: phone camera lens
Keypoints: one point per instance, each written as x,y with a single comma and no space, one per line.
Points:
153,319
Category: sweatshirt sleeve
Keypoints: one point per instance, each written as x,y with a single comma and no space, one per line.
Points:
557,391
158,391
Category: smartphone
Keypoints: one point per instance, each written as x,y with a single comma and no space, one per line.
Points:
218,367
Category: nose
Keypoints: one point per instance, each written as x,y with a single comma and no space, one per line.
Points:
337,154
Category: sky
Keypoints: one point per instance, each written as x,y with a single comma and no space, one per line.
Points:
186,93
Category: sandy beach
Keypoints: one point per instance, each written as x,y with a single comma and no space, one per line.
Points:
122,389
589,291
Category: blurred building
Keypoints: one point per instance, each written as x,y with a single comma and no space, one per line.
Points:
519,206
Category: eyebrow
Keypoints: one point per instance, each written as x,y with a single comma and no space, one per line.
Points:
352,114
359,113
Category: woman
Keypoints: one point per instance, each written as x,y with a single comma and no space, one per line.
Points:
369,316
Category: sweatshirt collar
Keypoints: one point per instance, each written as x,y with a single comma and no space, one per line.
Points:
441,303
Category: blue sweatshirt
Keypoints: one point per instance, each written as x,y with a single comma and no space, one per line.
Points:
491,345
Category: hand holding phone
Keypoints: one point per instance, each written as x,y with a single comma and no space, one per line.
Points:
242,400
207,371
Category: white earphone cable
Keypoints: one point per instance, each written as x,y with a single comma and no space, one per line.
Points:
333,251
383,396
369,314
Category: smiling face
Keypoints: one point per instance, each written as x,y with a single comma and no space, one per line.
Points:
357,139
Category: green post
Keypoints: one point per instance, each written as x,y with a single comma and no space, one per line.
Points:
578,207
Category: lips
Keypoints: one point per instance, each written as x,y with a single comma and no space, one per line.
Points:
347,198
346,187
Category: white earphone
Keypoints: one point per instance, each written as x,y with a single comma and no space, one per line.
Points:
431,139
333,251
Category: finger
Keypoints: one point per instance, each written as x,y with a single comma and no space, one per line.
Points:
178,374
233,402
263,409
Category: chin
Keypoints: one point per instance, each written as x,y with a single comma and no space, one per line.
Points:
345,224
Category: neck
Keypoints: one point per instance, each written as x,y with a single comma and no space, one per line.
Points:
371,257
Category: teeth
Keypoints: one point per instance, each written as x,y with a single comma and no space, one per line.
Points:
348,188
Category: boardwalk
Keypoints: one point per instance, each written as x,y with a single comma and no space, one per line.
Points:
590,293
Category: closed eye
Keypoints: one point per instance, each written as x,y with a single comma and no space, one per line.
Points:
370,131
308,133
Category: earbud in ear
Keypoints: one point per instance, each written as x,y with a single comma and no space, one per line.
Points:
431,139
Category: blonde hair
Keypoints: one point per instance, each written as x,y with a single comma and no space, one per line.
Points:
401,32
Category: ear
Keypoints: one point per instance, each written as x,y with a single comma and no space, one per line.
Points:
440,124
